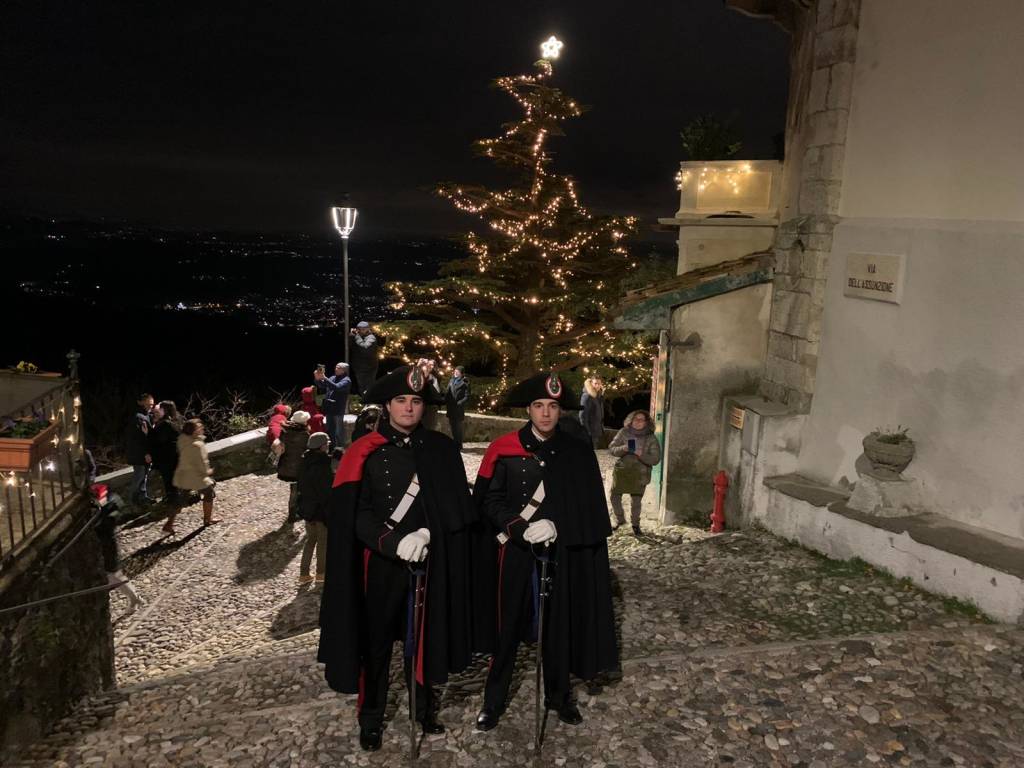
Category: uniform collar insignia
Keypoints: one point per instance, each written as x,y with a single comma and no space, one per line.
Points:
395,436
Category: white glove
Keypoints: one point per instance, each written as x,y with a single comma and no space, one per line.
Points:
413,546
540,532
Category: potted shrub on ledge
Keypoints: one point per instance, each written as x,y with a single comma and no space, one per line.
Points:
889,449
26,441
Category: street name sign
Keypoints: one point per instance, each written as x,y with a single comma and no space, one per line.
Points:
877,276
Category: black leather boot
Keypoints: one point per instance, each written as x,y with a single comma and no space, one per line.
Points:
431,724
487,719
370,738
568,712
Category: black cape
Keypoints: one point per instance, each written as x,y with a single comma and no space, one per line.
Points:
449,641
581,622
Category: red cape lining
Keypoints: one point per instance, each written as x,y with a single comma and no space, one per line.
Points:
350,470
506,445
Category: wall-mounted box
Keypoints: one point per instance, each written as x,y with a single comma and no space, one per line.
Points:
729,187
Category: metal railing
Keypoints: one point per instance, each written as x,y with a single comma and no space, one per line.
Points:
32,497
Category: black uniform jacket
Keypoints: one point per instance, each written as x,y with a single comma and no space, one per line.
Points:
371,479
581,626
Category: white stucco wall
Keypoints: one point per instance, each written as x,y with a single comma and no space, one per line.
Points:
700,246
936,126
933,169
948,362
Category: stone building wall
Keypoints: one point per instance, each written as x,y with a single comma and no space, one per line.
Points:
821,84
55,654
717,352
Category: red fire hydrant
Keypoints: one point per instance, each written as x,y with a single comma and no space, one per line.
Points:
718,513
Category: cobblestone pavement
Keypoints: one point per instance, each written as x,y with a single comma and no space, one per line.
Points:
738,649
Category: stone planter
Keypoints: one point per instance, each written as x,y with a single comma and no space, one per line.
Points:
894,457
18,454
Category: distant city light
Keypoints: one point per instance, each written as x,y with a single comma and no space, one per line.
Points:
551,48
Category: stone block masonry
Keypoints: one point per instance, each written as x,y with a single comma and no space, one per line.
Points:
825,46
55,654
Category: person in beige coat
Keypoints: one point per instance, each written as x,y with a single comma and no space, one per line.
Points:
637,450
194,473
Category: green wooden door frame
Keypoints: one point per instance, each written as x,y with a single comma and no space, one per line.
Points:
659,409
656,312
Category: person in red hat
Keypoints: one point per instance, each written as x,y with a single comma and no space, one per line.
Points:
400,498
542,493
317,420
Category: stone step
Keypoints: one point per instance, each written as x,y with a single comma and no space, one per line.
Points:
203,713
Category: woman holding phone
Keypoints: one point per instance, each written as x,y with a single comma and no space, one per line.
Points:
637,450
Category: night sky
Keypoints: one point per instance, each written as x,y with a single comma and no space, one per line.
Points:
258,116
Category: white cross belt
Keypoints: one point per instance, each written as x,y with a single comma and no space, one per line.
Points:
404,504
529,510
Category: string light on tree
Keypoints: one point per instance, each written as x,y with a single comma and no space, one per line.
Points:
540,272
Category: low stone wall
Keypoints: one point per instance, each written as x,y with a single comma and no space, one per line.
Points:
247,453
480,427
53,655
817,518
483,427
242,454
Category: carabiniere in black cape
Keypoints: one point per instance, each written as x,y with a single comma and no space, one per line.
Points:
344,613
580,624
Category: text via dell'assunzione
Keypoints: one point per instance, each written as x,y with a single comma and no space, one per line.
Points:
876,276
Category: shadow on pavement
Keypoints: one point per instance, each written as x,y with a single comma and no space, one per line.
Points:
268,556
299,616
141,560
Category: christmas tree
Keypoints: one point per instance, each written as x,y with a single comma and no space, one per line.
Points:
541,272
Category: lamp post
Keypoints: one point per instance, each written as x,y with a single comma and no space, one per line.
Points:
345,222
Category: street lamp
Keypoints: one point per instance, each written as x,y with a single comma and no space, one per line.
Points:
345,222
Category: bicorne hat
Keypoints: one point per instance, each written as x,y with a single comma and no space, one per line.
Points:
404,380
543,386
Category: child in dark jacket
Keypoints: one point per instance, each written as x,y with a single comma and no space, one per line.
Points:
289,448
315,479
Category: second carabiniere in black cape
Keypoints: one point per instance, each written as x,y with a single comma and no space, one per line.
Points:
580,624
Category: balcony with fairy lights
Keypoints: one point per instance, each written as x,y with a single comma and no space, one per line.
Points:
740,193
41,473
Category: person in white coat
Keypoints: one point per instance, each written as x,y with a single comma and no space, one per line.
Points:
194,473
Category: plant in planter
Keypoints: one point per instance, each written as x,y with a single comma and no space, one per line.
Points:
889,449
23,427
26,440
25,367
